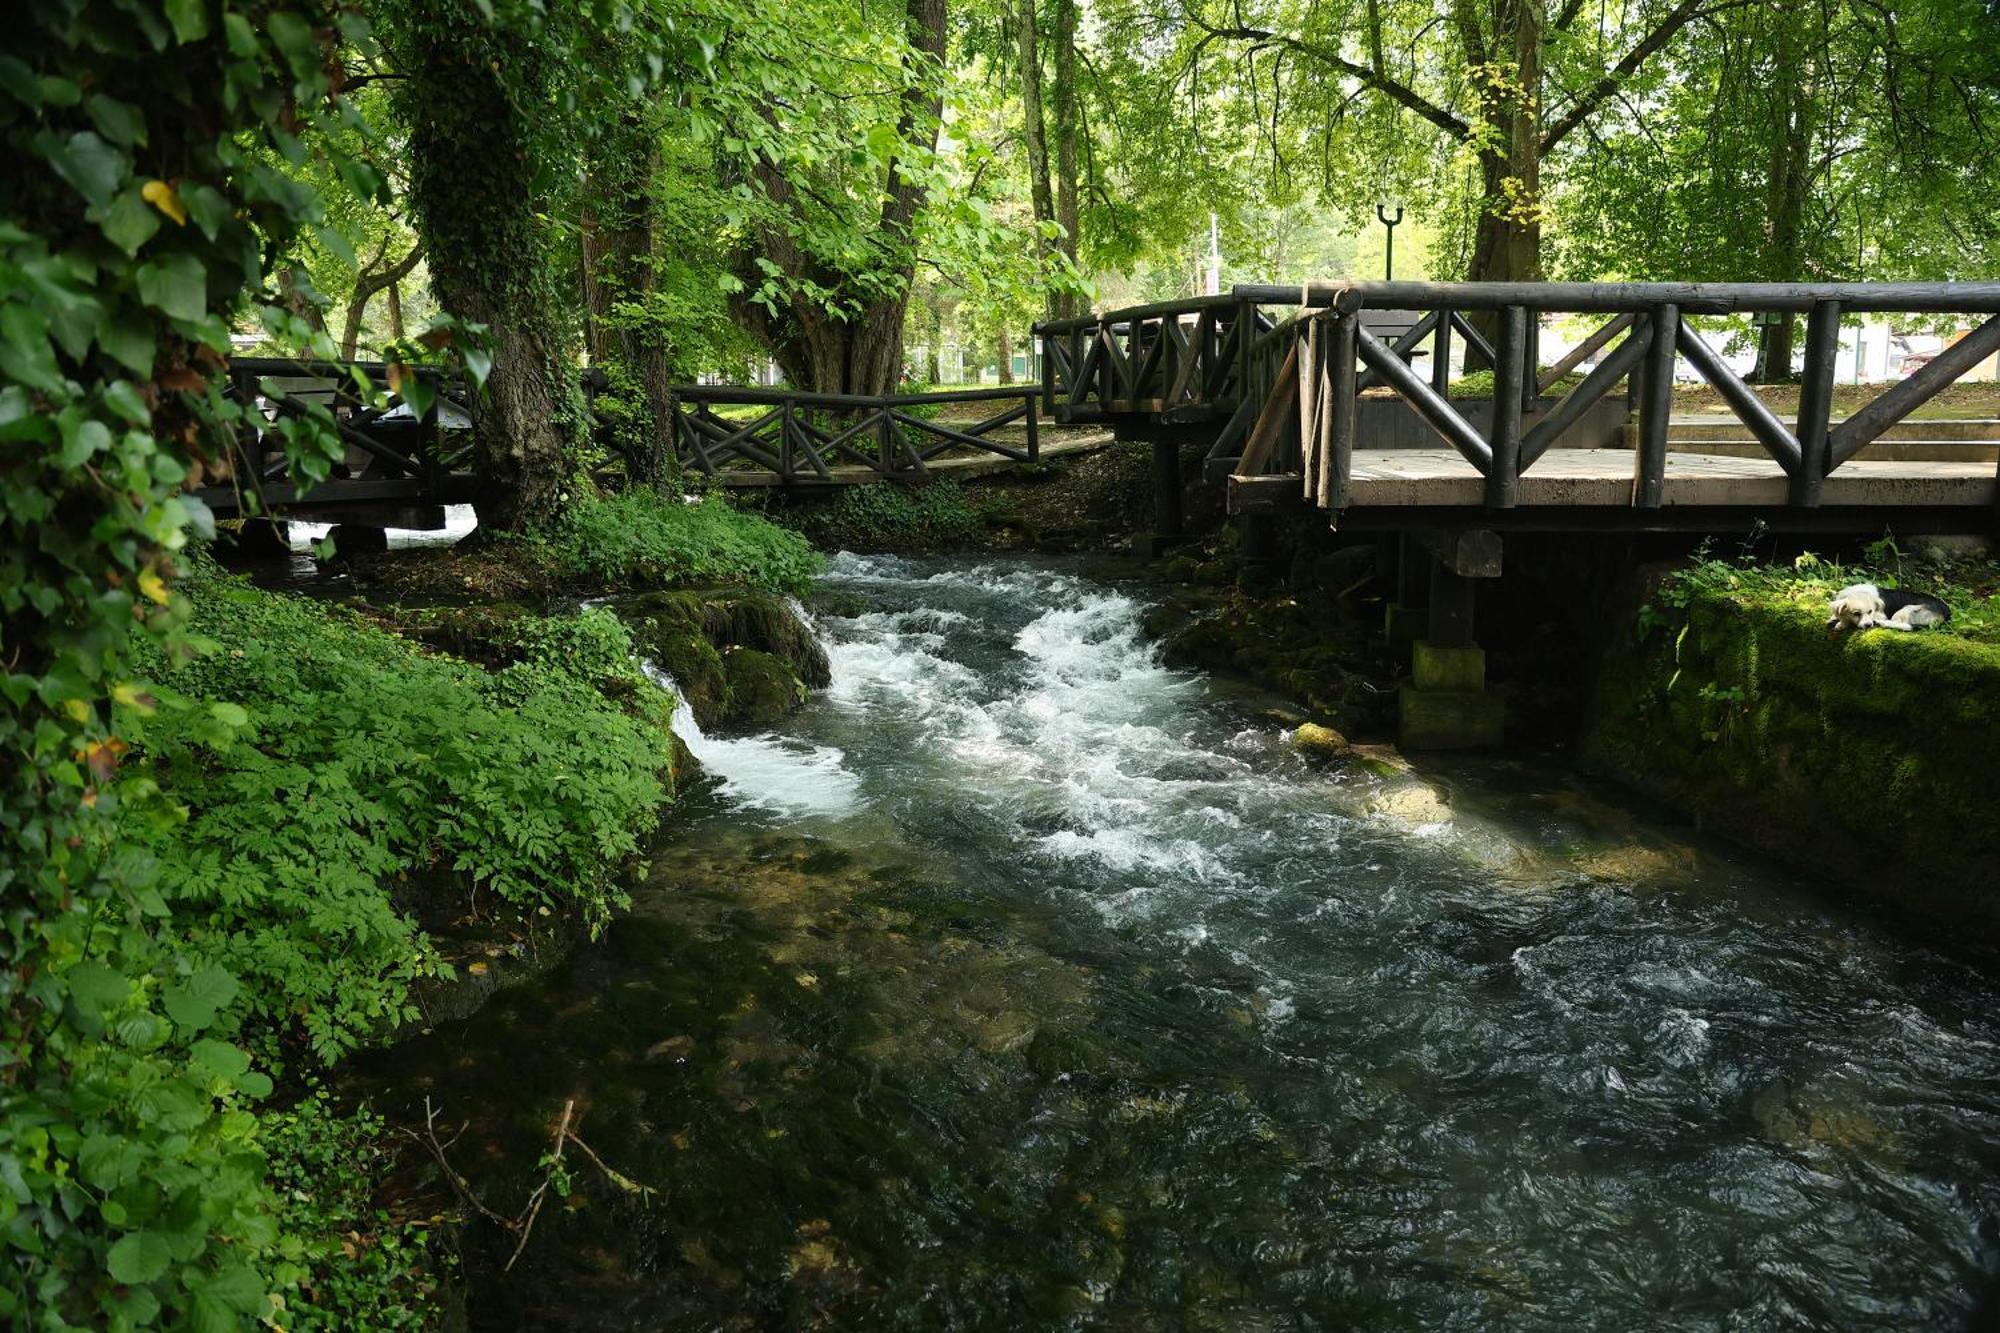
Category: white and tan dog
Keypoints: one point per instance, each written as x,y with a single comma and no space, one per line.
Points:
1867,606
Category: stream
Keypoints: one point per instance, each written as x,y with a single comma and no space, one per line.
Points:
1021,982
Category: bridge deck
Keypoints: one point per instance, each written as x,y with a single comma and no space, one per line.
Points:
1605,478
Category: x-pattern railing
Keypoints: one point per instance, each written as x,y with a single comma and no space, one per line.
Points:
1307,423
390,453
804,437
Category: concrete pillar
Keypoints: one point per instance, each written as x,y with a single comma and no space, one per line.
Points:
1444,705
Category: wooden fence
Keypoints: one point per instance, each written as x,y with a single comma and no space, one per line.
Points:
831,438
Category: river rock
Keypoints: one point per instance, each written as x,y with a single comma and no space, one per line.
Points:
1322,744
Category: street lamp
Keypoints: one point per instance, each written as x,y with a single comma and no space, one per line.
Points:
1389,239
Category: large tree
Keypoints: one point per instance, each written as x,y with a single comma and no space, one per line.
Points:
826,278
1387,95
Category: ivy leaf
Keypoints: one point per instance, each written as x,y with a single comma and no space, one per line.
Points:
130,341
25,354
190,19
120,122
207,207
175,285
129,223
91,165
294,36
82,441
139,1257
193,1003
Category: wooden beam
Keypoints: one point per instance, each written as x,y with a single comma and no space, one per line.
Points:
1947,367
1656,409
1751,410
1584,396
1511,368
1583,351
1436,410
1816,402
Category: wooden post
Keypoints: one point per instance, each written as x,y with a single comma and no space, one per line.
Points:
1246,334
885,442
1337,468
1451,606
785,441
1816,401
1531,355
1512,367
1167,518
1441,355
1034,434
1656,408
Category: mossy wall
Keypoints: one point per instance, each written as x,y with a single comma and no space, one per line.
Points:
1874,758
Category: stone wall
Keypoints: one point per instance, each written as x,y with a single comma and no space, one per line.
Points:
1872,758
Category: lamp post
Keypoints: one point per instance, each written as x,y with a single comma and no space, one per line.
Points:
1389,239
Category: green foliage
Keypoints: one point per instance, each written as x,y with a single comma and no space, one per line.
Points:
884,517
348,1266
645,538
388,761
1969,586
136,142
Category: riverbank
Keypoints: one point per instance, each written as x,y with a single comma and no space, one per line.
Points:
1866,757
383,810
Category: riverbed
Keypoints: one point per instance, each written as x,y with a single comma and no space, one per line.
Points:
1021,982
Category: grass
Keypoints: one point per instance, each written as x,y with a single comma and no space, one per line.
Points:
1969,586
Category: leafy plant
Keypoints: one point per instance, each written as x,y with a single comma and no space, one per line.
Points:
646,538
940,514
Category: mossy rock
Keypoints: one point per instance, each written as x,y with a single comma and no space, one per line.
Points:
695,636
762,687
1320,744
1746,714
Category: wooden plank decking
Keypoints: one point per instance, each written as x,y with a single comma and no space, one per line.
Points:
1604,478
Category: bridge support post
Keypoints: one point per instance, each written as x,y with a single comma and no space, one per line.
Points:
1408,617
1444,705
1168,521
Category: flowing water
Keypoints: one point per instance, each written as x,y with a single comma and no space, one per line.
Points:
1024,983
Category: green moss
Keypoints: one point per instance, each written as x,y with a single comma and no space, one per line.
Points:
762,686
1732,701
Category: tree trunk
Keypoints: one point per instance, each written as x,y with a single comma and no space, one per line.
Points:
472,88
934,339
371,279
396,311
1787,180
1068,130
1004,346
619,250
1034,131
1507,241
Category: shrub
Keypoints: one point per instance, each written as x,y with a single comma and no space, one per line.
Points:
887,517
644,537
317,758
346,1263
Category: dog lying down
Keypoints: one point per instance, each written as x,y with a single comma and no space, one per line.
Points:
1865,606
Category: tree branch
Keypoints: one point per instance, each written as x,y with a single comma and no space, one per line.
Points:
1650,45
1400,93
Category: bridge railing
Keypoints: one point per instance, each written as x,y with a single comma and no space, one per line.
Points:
797,436
392,452
1295,413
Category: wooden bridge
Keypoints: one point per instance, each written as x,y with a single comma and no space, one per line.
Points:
1301,397
1289,385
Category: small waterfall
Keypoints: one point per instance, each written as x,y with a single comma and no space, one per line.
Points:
766,772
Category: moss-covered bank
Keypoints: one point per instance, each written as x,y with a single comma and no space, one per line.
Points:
1868,757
